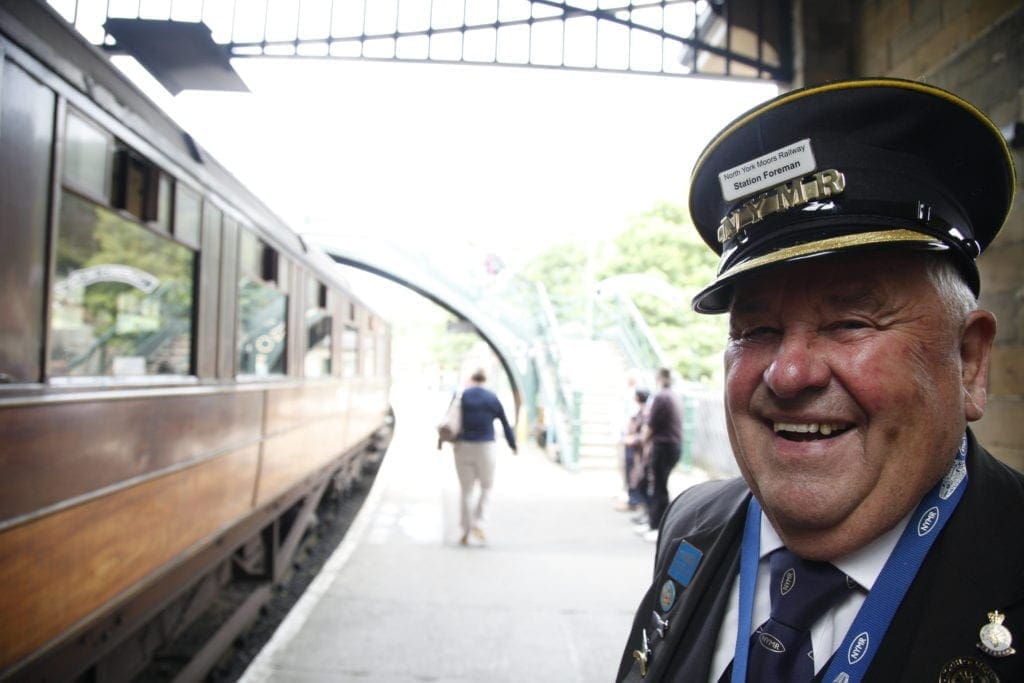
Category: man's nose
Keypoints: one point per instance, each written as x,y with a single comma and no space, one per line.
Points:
799,363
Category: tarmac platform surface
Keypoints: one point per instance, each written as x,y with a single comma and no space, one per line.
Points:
550,596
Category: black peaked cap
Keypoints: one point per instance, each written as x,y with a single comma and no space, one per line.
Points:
873,163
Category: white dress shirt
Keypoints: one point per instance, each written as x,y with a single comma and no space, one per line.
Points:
827,634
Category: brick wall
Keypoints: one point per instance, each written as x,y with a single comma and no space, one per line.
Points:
974,48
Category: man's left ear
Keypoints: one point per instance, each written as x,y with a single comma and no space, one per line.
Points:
975,349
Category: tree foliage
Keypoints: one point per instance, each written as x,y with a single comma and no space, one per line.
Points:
663,245
563,269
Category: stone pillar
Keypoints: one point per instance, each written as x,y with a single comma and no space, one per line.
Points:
974,48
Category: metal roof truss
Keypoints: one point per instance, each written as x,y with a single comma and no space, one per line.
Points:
745,39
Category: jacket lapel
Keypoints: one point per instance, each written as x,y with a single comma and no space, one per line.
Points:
693,609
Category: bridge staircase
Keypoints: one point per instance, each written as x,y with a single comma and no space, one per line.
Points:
595,370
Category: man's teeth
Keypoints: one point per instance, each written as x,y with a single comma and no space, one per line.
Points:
823,428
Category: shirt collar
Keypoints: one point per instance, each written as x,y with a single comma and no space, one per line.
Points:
862,565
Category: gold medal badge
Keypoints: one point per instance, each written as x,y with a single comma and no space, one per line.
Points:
967,670
996,639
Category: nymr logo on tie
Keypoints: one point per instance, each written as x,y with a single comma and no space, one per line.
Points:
788,581
927,521
858,648
770,643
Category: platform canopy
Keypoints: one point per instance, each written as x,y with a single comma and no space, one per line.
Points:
190,45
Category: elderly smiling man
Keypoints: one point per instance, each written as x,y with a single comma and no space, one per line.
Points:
870,537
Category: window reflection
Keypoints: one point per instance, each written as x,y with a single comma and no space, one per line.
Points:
123,297
318,331
262,330
86,156
349,351
187,215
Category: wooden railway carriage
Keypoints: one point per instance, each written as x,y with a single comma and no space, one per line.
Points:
180,376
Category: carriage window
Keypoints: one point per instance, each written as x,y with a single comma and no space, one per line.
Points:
86,156
187,215
262,310
318,331
123,297
349,351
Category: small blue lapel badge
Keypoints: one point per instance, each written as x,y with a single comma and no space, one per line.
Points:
668,595
684,564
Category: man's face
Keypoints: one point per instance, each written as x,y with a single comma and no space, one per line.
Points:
844,395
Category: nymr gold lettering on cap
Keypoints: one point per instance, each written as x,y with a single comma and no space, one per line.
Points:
792,195
877,164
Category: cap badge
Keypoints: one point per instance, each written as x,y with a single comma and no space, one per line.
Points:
996,639
791,195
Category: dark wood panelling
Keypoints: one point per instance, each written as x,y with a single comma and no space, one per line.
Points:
292,407
310,425
52,452
58,569
295,454
26,136
371,410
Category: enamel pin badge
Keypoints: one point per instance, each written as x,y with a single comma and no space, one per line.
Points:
667,598
996,639
660,625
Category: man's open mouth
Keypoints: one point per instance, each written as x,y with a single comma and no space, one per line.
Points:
809,431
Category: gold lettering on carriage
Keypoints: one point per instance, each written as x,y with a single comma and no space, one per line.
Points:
794,194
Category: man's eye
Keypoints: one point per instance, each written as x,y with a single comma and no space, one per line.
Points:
754,333
848,325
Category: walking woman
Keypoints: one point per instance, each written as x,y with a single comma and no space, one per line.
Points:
476,451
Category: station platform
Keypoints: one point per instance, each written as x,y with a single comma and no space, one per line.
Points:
550,596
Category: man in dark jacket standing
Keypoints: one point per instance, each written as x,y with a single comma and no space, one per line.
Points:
870,538
663,435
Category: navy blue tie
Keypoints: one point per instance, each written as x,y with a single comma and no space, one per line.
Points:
801,592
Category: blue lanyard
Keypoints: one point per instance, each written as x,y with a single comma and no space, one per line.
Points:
858,648
750,555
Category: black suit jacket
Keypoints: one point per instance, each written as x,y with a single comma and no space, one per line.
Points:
976,566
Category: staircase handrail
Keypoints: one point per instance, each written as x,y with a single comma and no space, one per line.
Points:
554,385
630,331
